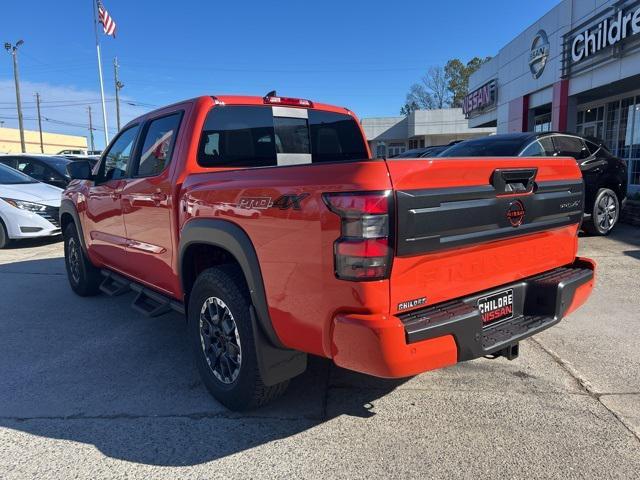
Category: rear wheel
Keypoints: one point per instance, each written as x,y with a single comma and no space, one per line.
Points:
4,236
83,276
223,341
606,211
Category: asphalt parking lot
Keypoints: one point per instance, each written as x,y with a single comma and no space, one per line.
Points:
91,389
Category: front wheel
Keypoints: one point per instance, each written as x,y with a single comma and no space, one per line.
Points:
83,276
605,215
223,342
4,236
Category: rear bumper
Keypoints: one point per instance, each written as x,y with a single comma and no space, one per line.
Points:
441,335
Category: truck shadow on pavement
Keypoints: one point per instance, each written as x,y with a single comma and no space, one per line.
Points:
94,371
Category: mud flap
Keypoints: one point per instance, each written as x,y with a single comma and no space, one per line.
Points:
276,364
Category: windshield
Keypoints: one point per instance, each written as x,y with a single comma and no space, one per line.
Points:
9,176
486,147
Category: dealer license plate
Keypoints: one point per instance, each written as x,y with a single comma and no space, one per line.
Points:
497,306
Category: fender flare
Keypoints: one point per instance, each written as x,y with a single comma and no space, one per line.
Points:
230,237
68,207
276,362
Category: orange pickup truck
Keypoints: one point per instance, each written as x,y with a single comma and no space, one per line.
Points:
268,224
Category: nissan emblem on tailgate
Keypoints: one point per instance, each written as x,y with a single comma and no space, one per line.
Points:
515,213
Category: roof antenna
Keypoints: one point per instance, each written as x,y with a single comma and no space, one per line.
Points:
272,93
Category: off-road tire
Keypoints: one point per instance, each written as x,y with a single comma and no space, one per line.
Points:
247,390
84,278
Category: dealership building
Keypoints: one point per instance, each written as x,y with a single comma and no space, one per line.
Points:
576,69
389,136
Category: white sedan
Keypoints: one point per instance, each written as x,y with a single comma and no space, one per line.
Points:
28,208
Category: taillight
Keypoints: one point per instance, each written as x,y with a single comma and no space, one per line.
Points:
364,250
297,102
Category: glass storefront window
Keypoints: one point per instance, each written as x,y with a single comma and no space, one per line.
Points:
542,123
635,137
625,131
618,124
591,122
611,130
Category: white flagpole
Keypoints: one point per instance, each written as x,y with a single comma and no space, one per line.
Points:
104,108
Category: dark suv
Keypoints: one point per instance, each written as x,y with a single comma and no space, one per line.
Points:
605,176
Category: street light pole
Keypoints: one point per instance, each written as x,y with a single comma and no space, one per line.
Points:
13,50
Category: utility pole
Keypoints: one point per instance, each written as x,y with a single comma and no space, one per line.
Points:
93,147
119,86
39,122
13,50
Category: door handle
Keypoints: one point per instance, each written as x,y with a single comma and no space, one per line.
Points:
158,197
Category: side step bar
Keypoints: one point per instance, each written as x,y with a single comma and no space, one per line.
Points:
148,302
113,285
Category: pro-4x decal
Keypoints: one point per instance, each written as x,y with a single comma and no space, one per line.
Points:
290,201
283,202
260,203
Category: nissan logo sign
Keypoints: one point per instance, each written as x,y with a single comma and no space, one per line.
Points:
539,53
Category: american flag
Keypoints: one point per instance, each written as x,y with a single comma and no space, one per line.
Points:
108,23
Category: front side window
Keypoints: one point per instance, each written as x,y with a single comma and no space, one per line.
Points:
542,147
32,168
116,161
158,146
533,150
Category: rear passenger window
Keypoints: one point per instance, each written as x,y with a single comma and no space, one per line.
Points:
335,137
570,147
159,143
248,136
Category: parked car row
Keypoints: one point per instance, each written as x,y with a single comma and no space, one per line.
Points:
605,176
30,189
51,169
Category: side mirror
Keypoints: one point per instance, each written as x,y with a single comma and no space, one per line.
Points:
80,170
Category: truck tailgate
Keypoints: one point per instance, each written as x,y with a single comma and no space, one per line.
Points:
472,224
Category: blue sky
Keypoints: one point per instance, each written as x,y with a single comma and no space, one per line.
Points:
361,55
